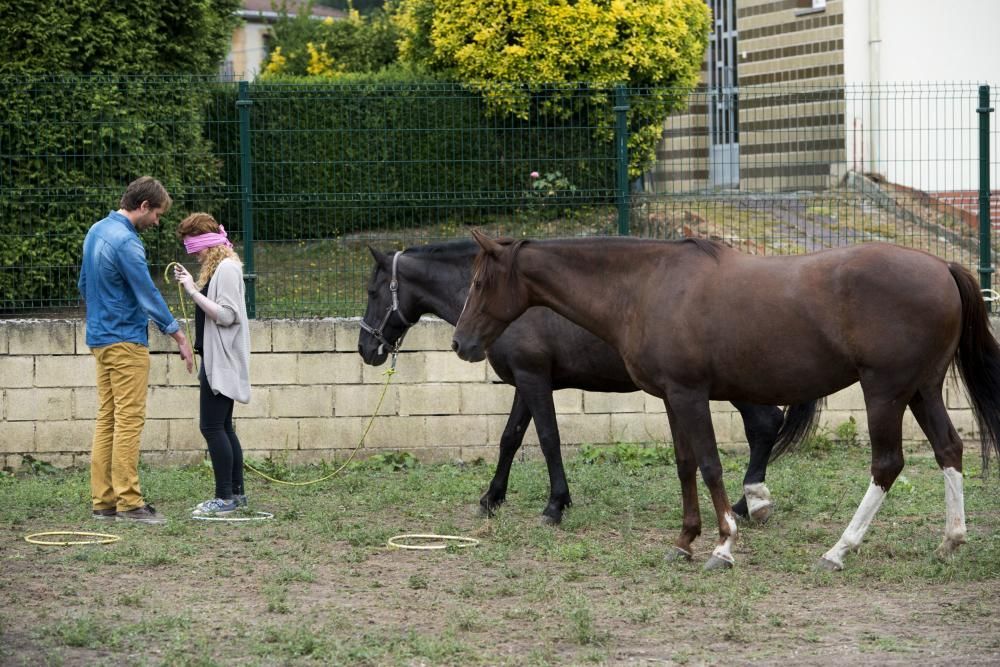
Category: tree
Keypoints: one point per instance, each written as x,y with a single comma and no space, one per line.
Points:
136,37
513,49
88,103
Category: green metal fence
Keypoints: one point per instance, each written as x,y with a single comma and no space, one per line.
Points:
306,176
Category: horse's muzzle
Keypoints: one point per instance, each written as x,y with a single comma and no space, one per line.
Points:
471,352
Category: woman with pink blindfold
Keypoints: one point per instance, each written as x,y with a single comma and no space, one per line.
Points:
222,338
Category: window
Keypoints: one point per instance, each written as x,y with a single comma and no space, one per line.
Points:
809,7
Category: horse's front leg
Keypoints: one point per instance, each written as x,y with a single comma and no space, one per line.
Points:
687,474
537,394
510,442
691,416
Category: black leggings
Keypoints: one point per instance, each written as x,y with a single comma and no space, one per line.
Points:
216,425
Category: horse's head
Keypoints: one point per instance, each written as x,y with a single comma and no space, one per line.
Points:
384,323
496,298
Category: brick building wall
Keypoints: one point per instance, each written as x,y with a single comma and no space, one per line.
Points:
790,72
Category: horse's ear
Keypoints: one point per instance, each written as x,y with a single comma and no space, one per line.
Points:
489,246
380,257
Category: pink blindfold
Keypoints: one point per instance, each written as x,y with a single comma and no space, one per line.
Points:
195,244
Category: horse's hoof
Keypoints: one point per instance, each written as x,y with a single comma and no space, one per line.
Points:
828,565
716,563
762,513
547,520
740,510
677,555
947,549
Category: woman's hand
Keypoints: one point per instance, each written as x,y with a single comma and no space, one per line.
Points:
185,279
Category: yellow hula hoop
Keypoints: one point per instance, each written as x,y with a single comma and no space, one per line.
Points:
389,373
456,540
103,538
180,297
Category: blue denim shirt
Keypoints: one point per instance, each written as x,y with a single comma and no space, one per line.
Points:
117,288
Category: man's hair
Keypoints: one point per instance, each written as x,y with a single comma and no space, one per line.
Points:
146,188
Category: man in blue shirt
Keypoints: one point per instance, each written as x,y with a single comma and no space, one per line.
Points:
121,299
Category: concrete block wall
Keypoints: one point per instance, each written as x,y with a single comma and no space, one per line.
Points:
313,397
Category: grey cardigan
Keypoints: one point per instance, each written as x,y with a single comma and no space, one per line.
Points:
226,344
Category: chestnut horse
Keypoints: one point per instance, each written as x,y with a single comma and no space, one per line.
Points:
696,321
540,353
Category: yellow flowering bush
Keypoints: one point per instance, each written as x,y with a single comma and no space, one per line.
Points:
276,62
515,48
320,62
303,46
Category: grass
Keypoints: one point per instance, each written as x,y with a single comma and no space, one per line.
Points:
317,584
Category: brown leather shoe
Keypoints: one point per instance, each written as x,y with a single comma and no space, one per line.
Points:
104,515
145,514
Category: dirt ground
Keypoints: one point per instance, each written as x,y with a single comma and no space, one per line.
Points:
800,621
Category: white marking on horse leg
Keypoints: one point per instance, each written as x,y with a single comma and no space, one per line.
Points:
855,532
954,498
759,501
724,550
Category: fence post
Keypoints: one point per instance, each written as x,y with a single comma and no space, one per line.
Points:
246,191
621,153
985,261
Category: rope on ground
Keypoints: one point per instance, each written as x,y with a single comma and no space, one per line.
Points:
389,373
254,516
102,538
443,541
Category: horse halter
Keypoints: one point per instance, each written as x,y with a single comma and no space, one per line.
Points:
376,332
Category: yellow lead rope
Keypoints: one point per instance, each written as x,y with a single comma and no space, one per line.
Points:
389,373
180,297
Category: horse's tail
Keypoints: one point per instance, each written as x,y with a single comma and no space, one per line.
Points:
978,361
800,421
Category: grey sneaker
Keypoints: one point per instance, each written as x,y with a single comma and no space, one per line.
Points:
215,507
145,514
105,514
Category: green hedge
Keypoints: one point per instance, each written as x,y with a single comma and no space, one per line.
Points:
356,155
89,100
390,150
68,147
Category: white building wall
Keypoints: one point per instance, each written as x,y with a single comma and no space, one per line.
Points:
247,51
912,68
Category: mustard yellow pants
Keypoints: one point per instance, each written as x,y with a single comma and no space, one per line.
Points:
122,383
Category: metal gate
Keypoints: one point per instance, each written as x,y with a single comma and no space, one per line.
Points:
723,109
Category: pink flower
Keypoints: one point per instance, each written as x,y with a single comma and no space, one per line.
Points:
534,174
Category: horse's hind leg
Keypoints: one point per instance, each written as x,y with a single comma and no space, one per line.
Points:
510,442
885,425
761,423
928,408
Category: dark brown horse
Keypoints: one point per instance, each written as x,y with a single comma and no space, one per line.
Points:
695,321
538,354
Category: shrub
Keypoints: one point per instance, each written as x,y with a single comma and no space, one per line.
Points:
654,47
79,139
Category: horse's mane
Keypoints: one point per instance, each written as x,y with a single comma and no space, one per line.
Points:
707,246
487,271
456,247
